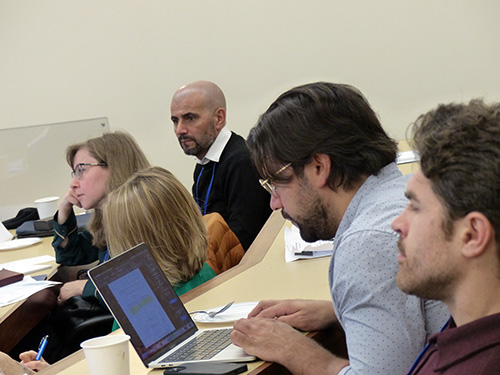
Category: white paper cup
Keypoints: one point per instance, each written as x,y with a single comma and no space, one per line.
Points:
107,355
47,207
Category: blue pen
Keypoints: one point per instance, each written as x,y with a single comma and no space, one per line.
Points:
41,347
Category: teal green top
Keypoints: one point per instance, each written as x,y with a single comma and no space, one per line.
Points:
205,274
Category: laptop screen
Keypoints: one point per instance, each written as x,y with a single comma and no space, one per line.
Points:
143,302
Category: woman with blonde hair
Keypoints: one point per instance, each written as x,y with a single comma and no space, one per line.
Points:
99,165
155,208
152,206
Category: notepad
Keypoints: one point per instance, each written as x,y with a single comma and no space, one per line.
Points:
29,265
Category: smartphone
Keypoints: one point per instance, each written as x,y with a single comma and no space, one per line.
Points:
207,368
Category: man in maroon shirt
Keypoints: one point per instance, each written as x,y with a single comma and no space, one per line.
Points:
449,235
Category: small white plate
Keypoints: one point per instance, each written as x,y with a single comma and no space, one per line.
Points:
235,312
19,243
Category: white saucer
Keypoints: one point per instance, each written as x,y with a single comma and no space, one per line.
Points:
19,243
235,312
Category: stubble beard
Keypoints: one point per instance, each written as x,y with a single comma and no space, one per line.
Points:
314,223
202,145
427,284
194,150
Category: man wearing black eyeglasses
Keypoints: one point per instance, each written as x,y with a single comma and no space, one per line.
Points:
330,167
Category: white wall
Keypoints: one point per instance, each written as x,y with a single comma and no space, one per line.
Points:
64,60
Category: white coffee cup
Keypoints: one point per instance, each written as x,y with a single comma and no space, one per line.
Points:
47,207
107,355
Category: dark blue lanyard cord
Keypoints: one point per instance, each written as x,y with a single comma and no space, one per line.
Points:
419,358
423,351
196,190
205,204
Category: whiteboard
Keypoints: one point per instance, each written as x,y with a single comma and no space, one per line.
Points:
33,161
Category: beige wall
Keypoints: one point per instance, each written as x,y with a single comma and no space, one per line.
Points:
75,59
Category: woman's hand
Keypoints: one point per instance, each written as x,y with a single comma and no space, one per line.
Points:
66,206
70,289
28,359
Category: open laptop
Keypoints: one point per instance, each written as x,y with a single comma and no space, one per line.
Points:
148,309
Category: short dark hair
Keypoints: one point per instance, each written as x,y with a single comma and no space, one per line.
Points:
459,147
326,118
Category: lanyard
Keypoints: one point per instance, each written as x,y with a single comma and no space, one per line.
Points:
424,350
205,204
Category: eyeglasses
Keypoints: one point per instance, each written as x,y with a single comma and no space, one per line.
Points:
78,171
268,185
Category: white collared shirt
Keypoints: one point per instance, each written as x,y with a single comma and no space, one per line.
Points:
215,151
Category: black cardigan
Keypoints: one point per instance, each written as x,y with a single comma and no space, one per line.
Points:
235,193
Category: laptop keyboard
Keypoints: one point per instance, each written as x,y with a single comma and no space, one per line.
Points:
204,346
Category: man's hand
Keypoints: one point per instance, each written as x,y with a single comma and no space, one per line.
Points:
268,339
306,315
70,289
274,341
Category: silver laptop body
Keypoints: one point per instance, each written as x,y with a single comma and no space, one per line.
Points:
148,309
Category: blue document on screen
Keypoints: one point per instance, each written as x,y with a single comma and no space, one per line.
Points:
149,310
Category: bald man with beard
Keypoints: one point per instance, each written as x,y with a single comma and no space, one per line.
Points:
225,179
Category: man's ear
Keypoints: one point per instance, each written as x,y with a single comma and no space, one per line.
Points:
477,234
320,170
220,118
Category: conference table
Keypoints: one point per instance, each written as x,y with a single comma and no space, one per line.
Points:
19,318
40,249
261,274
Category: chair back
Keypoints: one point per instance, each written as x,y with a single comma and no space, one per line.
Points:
224,249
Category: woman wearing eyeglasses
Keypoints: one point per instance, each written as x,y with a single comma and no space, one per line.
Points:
99,165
